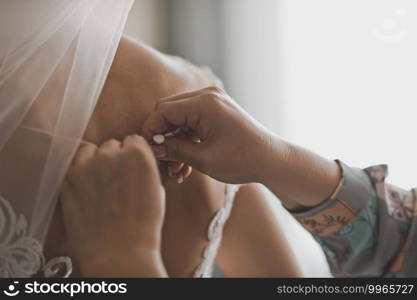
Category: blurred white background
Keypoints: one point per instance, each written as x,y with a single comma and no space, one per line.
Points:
336,76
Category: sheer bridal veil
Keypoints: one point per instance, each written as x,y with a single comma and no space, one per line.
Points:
54,59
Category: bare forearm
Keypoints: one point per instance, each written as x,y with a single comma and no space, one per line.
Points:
254,244
297,176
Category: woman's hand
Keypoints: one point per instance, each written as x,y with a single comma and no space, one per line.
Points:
113,205
234,148
218,137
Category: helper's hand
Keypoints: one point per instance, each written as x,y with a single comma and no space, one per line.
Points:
218,137
113,205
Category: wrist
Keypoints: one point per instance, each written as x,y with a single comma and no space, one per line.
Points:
120,257
270,160
137,262
300,178
276,171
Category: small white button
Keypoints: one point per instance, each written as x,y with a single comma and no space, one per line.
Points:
158,139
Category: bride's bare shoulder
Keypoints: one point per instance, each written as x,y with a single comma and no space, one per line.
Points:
139,76
160,70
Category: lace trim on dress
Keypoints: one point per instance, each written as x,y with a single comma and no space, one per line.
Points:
215,233
22,255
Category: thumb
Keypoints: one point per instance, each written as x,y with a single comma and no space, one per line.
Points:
181,149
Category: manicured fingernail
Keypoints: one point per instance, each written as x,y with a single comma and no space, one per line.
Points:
177,167
180,180
159,151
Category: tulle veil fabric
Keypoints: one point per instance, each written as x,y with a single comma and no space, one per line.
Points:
54,59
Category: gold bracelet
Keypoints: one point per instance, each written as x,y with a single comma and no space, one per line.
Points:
340,184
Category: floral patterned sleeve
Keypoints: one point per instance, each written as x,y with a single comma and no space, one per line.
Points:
368,228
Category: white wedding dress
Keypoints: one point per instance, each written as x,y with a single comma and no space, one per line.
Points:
54,59
215,232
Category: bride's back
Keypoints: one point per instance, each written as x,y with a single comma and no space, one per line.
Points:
138,78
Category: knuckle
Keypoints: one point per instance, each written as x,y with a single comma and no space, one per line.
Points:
214,94
111,142
213,100
136,149
215,89
86,146
81,151
83,148
211,96
137,139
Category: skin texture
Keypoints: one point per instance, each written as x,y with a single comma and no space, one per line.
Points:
138,78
